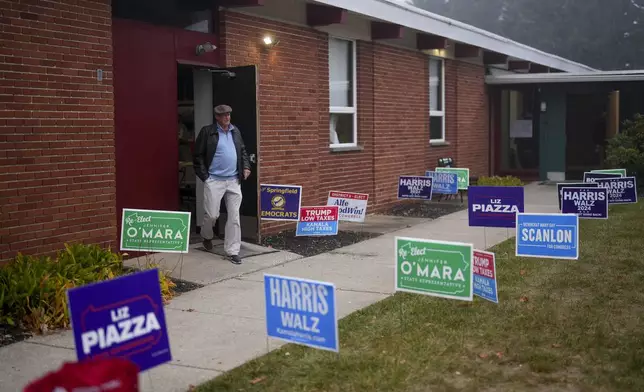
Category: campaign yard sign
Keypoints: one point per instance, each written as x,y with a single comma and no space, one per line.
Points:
434,268
590,203
463,175
280,202
317,221
554,236
415,187
494,206
443,183
561,185
155,231
621,190
621,172
121,317
484,271
592,177
301,311
352,206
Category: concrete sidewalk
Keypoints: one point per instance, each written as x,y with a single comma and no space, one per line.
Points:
221,326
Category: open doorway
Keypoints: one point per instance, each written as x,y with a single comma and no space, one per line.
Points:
586,123
200,89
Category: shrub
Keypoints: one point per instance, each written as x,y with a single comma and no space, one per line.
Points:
33,291
626,149
499,181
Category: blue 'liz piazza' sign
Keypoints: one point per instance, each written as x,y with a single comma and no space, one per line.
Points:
301,311
591,203
443,183
554,236
280,202
415,187
121,317
621,190
494,206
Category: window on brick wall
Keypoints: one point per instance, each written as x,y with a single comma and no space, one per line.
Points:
343,122
436,99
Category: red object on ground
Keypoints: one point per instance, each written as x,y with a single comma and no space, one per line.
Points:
110,374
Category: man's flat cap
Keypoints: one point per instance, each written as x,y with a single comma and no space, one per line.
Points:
223,109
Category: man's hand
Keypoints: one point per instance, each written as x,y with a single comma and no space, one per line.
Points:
246,173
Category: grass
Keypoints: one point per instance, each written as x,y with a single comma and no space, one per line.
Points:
560,326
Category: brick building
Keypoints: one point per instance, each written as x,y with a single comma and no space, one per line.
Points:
329,94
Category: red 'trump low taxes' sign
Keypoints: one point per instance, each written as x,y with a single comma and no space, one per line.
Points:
319,214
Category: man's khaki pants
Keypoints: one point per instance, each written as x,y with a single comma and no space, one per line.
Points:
214,191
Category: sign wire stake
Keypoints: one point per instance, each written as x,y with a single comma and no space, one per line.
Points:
268,345
485,237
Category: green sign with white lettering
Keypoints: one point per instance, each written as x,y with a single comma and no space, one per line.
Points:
155,231
435,268
463,176
621,172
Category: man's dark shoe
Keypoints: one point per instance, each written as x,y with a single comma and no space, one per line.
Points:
207,244
235,259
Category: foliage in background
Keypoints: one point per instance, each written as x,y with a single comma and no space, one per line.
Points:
33,291
626,149
579,30
499,181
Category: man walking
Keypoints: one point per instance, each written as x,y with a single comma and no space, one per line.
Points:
221,162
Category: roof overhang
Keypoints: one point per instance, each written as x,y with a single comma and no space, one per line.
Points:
577,77
417,19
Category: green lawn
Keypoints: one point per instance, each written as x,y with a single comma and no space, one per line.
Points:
560,326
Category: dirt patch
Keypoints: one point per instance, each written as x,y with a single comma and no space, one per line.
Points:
311,246
427,209
10,335
183,286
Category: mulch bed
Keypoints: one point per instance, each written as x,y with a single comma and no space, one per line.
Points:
427,209
311,246
183,286
10,335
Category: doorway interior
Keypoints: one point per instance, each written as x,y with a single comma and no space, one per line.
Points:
199,90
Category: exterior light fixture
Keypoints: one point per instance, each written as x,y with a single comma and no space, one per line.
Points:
204,48
269,41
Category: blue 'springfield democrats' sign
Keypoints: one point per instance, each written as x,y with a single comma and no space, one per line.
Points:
301,311
121,317
494,206
554,236
280,202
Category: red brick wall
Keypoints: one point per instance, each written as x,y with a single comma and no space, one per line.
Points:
56,126
393,113
401,101
472,118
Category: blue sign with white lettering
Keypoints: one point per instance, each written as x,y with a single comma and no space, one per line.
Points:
494,206
593,177
121,317
301,311
554,236
621,190
561,185
443,183
415,187
591,203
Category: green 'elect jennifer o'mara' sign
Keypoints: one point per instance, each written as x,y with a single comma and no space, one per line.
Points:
435,268
155,231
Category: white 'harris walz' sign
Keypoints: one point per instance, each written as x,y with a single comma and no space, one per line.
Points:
352,207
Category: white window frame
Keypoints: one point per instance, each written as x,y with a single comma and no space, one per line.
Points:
354,91
437,113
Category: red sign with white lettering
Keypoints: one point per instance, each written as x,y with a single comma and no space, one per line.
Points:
319,214
484,264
